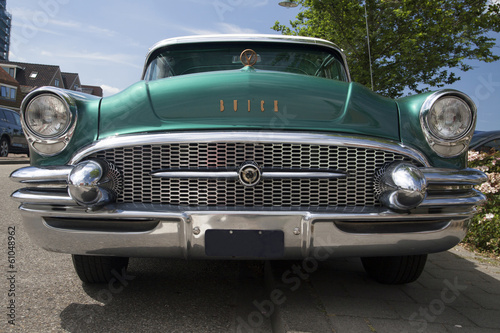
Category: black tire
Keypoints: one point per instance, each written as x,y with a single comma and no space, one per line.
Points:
4,147
96,269
395,270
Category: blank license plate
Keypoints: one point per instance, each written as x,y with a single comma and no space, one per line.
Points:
245,243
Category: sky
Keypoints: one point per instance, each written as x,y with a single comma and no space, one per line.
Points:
106,41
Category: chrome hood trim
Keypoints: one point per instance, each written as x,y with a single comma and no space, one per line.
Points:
251,137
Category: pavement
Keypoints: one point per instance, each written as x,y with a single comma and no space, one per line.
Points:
459,291
15,159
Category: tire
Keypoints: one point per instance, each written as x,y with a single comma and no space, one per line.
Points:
4,147
96,269
395,270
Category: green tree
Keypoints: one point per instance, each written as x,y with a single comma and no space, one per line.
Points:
415,44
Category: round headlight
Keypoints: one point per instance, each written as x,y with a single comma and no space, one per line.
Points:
47,116
450,118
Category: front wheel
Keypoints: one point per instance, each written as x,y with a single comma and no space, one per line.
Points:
4,147
395,270
96,269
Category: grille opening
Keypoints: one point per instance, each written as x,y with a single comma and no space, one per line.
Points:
136,164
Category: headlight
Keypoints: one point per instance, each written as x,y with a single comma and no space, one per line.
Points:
48,119
47,116
448,119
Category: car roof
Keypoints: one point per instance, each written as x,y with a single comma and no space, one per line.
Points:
480,137
243,37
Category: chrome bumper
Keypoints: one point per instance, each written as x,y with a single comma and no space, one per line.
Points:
58,224
151,231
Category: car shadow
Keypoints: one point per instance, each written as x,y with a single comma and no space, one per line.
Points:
205,296
167,295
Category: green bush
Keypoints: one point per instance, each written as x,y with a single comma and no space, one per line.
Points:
484,231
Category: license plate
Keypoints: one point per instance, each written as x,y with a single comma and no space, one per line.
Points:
245,243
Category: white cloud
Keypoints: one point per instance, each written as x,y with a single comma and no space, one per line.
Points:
101,31
228,28
233,3
221,28
121,59
108,90
38,20
28,31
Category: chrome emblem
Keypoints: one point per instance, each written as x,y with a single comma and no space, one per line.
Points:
249,174
248,57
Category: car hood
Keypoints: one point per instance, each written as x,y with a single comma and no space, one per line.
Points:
249,99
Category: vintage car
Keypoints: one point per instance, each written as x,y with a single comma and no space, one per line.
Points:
12,139
248,147
485,141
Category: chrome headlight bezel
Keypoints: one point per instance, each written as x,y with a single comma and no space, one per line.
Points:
49,145
447,147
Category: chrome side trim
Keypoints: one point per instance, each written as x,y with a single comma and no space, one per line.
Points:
45,175
250,137
305,174
196,174
33,196
472,198
454,177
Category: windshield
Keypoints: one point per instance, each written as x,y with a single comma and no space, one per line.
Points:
281,57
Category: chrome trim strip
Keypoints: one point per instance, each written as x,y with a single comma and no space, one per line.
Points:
234,174
243,38
156,211
196,174
250,137
31,196
305,174
468,199
454,177
33,175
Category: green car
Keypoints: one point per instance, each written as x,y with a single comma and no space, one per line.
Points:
248,147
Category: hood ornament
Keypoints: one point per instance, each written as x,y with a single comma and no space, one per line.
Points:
248,57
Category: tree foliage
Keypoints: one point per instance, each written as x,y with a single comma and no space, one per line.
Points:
415,44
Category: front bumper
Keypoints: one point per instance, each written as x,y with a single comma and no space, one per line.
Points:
152,231
57,223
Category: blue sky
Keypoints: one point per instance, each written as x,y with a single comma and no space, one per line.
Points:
106,41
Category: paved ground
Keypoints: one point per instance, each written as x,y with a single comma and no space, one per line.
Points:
458,292
15,159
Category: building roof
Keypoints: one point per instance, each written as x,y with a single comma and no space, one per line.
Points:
70,79
93,90
34,75
7,79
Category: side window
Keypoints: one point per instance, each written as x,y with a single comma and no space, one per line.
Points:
2,116
10,117
17,118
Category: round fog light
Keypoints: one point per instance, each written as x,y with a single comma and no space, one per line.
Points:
402,186
83,183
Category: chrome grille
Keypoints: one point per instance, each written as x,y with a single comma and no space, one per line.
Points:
137,163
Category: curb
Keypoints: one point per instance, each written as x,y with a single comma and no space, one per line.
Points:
7,160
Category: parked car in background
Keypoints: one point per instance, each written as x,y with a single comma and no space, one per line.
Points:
485,141
12,139
248,147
